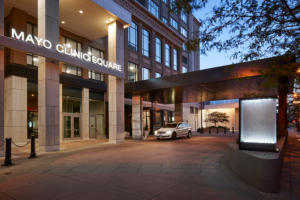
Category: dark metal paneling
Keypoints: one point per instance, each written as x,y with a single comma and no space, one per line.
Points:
20,70
80,82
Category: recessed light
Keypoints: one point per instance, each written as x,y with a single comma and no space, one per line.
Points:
80,11
68,45
111,19
106,21
63,22
35,59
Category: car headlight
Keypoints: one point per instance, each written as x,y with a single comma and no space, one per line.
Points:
155,132
169,132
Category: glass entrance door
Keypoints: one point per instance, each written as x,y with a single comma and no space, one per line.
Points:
97,126
71,129
93,130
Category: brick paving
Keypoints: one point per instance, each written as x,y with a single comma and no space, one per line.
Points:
194,168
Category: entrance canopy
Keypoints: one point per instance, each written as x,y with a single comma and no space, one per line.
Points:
219,83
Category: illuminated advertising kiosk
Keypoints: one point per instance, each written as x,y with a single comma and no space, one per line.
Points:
258,124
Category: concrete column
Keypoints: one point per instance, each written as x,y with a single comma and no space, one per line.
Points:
48,77
282,109
116,85
152,50
1,80
178,112
137,117
61,119
85,120
15,121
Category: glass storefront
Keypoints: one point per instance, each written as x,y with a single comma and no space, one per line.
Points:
146,120
32,107
96,106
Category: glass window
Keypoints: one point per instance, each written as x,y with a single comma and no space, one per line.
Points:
165,1
183,32
184,60
175,65
165,20
133,72
157,75
184,47
196,110
191,109
184,69
172,4
133,37
31,58
167,55
98,54
70,69
158,50
174,23
145,74
72,99
153,8
184,16
146,43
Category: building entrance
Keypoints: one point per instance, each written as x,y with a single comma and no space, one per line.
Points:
71,126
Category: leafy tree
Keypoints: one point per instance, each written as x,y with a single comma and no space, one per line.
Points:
216,117
265,28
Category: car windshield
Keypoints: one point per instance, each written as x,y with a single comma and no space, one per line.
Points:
170,126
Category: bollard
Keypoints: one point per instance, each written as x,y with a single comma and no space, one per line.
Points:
217,130
232,129
7,161
202,130
225,130
209,130
32,153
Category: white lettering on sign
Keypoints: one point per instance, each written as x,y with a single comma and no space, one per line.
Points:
65,50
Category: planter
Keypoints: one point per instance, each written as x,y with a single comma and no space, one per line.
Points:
145,135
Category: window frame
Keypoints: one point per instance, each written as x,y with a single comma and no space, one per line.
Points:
191,109
173,22
158,55
135,46
183,16
184,71
153,8
184,58
135,74
175,58
160,75
143,43
165,21
167,61
143,69
183,31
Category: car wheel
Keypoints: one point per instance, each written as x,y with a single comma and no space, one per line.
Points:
174,136
158,138
189,134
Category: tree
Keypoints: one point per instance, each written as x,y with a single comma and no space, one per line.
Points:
267,28
216,117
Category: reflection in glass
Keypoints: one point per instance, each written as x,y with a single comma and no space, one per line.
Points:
132,72
67,126
133,37
76,127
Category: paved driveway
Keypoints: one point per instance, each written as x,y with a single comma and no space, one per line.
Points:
194,168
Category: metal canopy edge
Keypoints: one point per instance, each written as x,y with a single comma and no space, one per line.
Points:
40,51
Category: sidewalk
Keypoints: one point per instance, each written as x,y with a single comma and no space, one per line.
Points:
193,168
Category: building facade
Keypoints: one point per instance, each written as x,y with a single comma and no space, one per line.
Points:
58,96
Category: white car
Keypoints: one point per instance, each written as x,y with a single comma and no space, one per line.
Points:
174,130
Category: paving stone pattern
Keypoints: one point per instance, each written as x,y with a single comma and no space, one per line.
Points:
194,168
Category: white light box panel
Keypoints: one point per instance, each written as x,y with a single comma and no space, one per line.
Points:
258,123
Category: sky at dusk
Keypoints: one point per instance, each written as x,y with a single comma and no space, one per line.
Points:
213,58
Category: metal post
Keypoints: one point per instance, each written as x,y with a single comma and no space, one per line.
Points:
7,161
32,153
232,129
209,130
202,130
217,130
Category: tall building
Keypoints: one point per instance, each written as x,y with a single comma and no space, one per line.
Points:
65,64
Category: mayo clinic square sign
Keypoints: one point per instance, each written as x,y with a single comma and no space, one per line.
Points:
258,124
65,50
